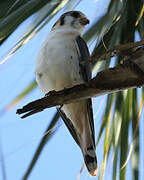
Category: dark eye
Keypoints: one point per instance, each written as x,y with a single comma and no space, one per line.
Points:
75,14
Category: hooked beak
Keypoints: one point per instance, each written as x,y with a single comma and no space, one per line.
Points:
84,21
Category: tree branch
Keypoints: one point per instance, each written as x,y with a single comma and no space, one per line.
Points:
130,74
122,50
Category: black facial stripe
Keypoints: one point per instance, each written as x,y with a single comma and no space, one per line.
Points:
54,25
62,20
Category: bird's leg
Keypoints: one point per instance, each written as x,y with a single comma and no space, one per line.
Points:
61,106
50,93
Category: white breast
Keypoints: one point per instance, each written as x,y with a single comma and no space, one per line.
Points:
57,64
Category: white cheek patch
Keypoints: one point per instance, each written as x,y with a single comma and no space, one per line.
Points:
68,20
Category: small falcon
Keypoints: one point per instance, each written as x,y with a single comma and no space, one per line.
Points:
59,65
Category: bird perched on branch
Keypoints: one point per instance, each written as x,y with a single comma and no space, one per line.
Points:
60,65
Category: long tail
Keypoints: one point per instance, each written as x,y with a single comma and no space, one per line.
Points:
90,160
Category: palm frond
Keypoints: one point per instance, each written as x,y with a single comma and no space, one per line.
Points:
47,136
16,14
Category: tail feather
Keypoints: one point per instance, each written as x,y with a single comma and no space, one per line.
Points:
91,160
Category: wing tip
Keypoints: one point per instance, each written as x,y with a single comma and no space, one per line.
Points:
91,164
94,172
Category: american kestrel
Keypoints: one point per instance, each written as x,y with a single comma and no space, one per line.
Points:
60,65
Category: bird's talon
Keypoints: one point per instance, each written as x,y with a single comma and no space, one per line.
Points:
50,93
61,106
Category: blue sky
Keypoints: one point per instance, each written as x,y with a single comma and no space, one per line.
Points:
61,157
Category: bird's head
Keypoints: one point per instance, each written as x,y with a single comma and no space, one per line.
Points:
72,19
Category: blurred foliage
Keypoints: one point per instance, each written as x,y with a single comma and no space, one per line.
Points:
47,135
118,26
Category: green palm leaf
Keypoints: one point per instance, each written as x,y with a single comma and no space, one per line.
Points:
12,17
47,135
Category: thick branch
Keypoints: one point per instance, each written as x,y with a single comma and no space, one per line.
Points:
128,75
123,50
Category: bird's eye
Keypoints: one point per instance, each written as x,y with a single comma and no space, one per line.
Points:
75,14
